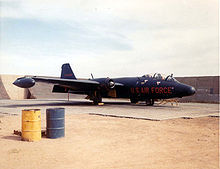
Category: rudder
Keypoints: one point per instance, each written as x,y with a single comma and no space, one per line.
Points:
67,72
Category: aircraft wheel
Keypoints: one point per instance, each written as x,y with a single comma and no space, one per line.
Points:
97,100
133,100
150,102
96,97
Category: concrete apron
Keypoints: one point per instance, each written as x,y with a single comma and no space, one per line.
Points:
121,109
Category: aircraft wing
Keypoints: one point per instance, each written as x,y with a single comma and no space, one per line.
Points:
82,85
60,84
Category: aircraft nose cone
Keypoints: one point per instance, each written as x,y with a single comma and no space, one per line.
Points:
191,90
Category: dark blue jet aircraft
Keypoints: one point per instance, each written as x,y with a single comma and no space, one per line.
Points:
146,88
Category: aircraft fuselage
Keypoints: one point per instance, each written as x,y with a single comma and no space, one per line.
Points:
146,88
142,88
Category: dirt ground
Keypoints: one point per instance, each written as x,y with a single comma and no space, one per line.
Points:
106,142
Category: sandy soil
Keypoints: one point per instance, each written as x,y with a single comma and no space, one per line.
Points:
106,142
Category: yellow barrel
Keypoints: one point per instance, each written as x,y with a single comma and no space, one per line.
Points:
31,125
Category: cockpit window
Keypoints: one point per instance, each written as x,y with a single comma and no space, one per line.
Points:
147,75
160,76
170,78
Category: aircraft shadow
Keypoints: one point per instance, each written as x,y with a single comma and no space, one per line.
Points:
81,103
138,105
60,103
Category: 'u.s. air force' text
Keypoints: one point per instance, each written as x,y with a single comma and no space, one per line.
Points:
147,90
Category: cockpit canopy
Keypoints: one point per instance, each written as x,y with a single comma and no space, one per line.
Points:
171,78
160,76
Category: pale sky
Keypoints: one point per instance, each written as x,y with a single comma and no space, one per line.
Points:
109,38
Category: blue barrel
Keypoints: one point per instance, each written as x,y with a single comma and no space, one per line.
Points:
55,123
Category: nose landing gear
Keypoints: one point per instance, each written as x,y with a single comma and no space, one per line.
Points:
150,102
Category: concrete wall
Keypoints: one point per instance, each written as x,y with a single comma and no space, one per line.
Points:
10,91
44,91
207,88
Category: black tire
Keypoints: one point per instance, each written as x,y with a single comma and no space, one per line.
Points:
150,102
133,100
97,100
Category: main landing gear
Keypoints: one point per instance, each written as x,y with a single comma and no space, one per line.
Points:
133,100
96,97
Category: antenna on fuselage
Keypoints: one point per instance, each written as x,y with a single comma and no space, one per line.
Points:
92,76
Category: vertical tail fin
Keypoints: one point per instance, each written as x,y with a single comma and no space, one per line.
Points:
67,72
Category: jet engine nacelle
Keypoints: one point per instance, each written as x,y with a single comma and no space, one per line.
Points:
24,82
109,83
106,83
